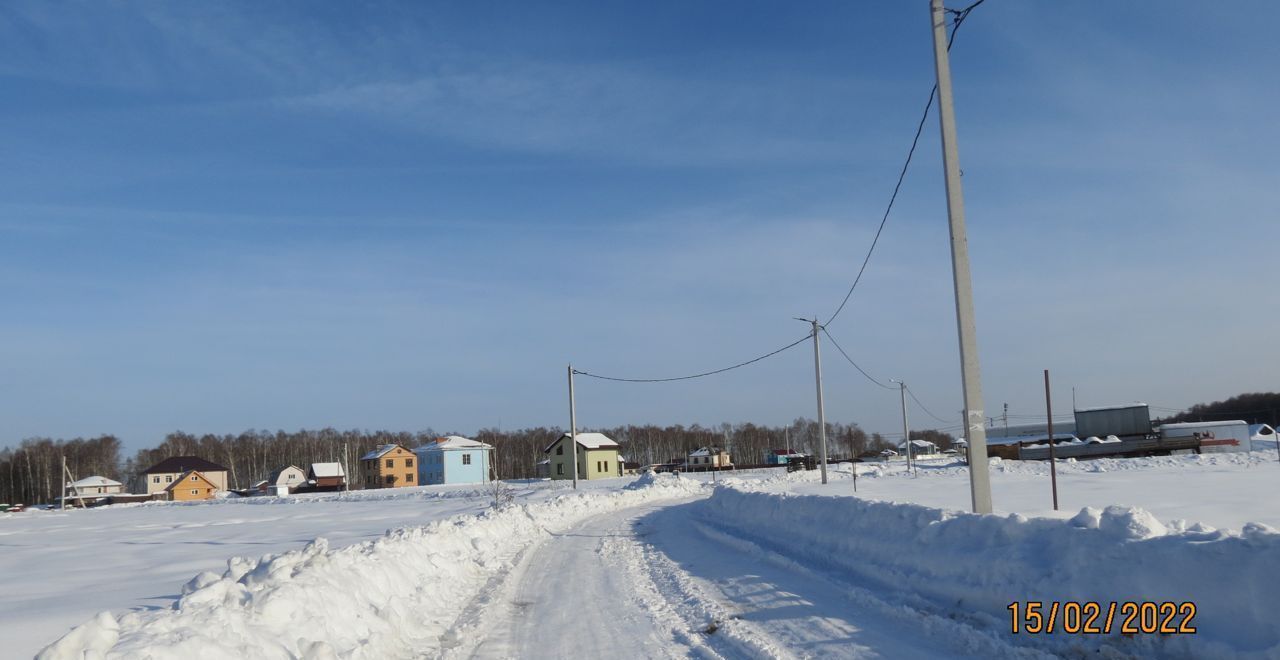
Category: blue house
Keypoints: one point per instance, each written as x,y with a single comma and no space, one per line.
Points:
454,460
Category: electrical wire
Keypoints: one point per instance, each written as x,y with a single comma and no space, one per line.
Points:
922,407
855,364
692,376
960,15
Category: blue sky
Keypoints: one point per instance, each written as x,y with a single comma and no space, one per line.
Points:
222,216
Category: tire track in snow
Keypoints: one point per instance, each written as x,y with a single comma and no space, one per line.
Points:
806,612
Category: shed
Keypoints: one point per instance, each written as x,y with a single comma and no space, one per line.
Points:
919,447
1122,420
327,476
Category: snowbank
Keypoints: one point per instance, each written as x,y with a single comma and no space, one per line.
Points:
396,596
972,567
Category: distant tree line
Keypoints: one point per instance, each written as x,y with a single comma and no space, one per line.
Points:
29,473
1254,408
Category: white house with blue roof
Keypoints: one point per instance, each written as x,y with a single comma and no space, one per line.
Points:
454,460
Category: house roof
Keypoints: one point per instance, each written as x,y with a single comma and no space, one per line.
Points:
1123,406
587,441
706,451
184,464
93,482
275,474
919,443
322,470
183,479
1204,425
785,452
453,442
381,451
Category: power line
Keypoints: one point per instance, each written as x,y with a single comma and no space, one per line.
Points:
692,376
855,364
922,407
960,15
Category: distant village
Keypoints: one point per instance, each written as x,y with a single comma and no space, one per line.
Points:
451,460
1110,431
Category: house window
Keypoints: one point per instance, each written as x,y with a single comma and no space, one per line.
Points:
408,462
466,459
390,479
168,478
193,477
391,462
606,466
559,469
195,492
155,479
560,450
408,477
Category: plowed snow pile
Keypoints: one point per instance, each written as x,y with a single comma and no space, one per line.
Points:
971,567
392,597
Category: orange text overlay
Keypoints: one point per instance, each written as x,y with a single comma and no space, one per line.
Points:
1091,618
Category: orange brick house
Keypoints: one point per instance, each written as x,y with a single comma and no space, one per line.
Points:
192,485
389,466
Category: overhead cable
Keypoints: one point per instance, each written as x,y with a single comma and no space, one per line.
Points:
855,364
926,410
960,15
692,376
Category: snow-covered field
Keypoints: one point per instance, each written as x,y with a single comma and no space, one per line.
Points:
765,565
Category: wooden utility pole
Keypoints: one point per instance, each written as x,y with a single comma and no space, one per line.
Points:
1053,462
976,434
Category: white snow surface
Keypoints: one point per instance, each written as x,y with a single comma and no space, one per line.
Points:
762,564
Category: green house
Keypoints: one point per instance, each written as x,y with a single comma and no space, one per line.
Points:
597,457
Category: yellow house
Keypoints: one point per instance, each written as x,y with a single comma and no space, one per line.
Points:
157,478
192,485
597,457
389,466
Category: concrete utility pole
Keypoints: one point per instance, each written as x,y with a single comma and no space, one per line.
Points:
573,429
63,477
979,470
906,434
822,419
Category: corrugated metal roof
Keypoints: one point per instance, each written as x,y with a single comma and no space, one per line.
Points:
381,451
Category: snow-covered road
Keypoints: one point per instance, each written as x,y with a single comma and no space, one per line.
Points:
576,596
760,565
661,580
